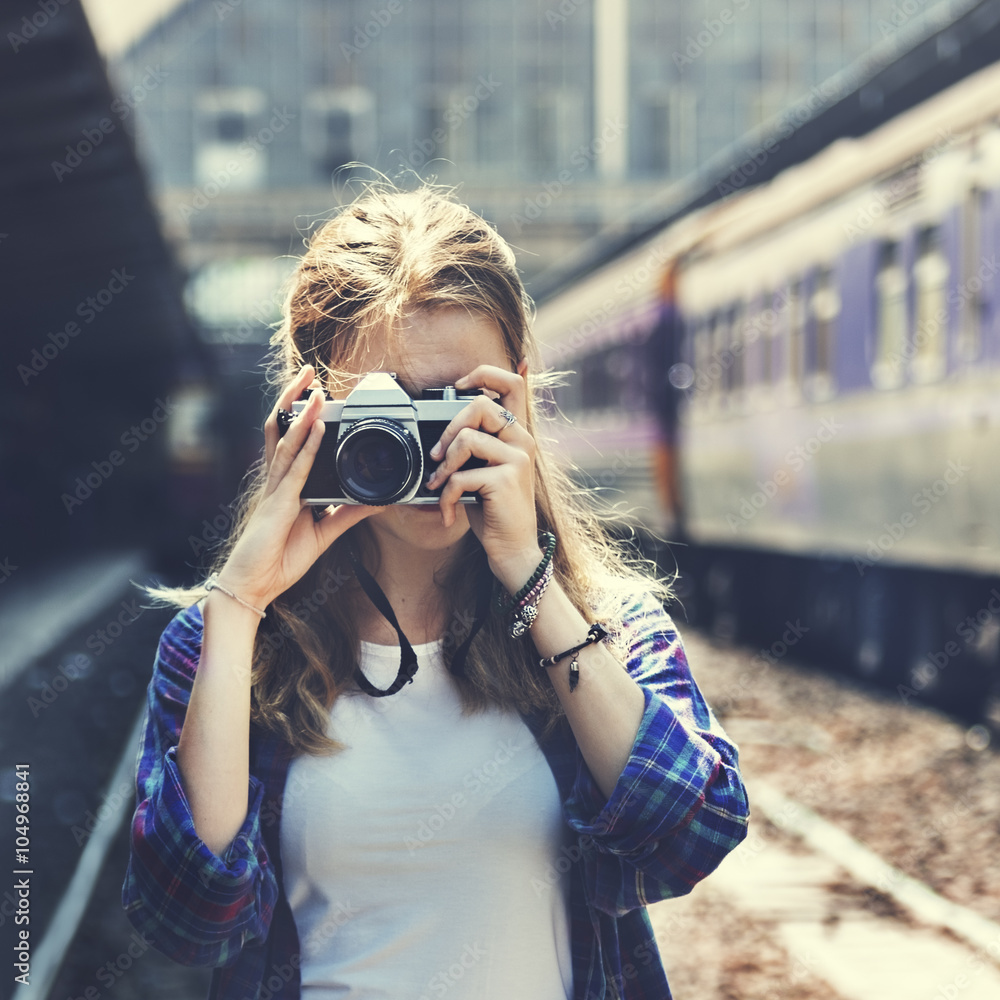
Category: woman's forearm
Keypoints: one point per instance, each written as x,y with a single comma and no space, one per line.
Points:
606,708
213,752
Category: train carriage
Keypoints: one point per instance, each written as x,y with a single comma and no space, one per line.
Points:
839,412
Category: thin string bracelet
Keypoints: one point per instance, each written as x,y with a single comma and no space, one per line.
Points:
596,633
212,583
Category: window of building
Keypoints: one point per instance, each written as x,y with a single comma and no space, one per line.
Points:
225,119
553,125
338,127
652,140
930,278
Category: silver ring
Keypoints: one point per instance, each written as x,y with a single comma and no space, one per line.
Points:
509,417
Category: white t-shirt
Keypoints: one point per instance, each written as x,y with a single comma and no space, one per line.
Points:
418,861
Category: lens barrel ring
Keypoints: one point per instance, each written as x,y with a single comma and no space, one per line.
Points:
379,462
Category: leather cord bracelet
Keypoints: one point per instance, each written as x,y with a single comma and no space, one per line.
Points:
596,633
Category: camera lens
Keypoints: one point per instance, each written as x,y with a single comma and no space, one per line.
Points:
378,462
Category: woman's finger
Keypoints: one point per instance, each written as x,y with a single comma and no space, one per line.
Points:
296,451
470,442
295,440
487,415
510,386
502,483
284,402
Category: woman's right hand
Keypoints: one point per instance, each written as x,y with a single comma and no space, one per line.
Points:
281,540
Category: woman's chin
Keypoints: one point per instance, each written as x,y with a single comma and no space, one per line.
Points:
421,525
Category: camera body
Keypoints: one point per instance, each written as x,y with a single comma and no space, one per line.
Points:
376,449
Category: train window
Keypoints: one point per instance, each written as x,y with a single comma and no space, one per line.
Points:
735,362
825,309
702,358
766,329
930,275
890,318
973,302
795,323
717,371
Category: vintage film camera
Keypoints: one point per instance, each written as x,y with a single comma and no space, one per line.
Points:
376,449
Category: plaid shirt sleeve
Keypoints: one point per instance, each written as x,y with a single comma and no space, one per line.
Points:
195,907
680,805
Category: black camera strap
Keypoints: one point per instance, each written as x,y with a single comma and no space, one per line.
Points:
407,658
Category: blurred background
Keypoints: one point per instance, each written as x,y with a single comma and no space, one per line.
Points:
761,234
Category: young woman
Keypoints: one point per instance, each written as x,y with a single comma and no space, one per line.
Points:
409,750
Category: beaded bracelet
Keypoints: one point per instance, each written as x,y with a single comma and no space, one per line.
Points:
212,583
513,602
596,633
527,610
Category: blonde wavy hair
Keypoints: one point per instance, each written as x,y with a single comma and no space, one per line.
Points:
389,252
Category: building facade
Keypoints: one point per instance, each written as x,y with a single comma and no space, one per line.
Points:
557,117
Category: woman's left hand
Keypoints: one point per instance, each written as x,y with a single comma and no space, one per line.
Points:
505,521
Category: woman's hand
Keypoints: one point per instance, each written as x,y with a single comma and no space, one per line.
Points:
505,522
282,539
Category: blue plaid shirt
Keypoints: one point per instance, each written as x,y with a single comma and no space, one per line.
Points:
678,808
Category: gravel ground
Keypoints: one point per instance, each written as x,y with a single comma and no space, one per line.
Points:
914,785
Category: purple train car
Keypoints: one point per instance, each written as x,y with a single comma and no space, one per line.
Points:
836,366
